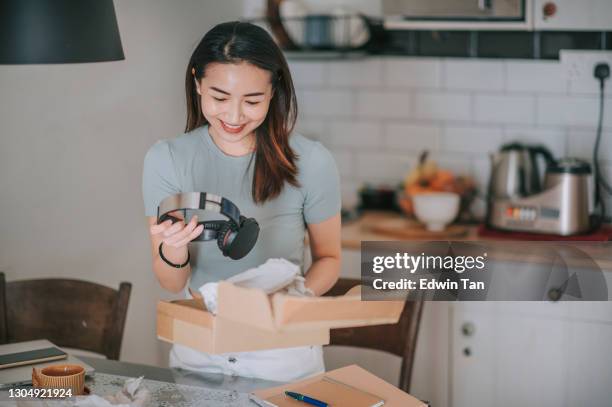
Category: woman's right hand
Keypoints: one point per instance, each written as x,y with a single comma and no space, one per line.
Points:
175,238
176,235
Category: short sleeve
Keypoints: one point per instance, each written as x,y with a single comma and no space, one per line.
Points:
321,185
159,178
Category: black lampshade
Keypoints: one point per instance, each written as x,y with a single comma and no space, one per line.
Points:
58,31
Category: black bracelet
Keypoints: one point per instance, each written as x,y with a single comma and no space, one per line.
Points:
168,262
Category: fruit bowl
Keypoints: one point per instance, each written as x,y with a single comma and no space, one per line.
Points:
427,178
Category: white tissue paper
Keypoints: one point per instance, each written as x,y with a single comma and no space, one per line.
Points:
273,276
132,395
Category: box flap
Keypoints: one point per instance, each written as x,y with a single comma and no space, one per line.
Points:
192,310
189,333
251,306
347,310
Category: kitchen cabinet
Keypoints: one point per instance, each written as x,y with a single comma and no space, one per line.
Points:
504,353
506,358
510,357
585,15
589,364
537,353
458,14
539,15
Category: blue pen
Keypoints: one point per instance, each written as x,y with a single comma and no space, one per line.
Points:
306,399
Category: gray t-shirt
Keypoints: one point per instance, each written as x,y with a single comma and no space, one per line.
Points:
192,162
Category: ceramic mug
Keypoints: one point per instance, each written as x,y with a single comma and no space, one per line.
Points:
60,377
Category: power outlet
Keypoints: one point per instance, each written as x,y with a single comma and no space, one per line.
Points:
579,66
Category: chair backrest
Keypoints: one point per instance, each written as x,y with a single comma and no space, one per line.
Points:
399,339
71,313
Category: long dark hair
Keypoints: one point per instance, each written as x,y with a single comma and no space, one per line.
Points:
235,42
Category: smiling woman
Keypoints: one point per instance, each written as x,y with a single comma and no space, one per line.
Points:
239,143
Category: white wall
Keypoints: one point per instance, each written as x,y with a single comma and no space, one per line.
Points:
73,138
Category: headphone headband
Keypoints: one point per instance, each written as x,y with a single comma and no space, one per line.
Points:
198,200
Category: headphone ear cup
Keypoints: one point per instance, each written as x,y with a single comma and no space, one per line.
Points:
245,238
224,237
236,242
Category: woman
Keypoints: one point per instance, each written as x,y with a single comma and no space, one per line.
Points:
238,143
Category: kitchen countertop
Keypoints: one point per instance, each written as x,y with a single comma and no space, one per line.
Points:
360,229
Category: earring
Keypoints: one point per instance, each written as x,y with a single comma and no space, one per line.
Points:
195,80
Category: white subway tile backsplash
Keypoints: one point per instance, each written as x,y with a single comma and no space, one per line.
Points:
325,102
536,76
504,109
474,74
412,72
308,73
569,111
583,86
581,143
314,129
411,137
442,106
356,134
555,139
480,172
459,164
344,162
383,104
387,168
476,140
358,73
377,114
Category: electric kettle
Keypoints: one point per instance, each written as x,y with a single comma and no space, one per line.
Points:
515,172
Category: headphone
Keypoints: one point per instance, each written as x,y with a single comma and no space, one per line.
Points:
235,237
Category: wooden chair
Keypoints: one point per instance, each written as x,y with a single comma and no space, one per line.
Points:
71,313
399,339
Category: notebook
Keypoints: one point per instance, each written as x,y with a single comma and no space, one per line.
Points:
30,357
332,392
22,375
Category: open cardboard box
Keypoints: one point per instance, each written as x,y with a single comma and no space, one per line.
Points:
248,319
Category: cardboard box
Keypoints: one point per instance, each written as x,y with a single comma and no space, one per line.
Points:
247,319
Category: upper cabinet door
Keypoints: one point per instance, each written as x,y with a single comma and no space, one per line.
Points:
580,15
454,9
458,14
